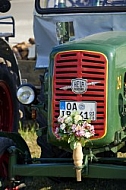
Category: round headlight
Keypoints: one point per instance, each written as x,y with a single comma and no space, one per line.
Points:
26,94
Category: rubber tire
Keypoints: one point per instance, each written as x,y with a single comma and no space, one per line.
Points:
8,81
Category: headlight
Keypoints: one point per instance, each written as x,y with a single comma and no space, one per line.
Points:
26,94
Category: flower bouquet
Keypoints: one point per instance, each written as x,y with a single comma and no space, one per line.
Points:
76,132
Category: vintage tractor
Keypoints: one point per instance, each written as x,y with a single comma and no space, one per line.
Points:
82,50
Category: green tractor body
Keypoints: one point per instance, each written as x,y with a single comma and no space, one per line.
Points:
99,60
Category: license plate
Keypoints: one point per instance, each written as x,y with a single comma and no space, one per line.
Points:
86,109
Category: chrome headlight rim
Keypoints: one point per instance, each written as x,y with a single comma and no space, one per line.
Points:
26,94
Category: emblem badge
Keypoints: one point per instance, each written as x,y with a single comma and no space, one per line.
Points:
79,85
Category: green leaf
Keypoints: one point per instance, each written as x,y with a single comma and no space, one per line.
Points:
88,120
71,138
82,141
73,145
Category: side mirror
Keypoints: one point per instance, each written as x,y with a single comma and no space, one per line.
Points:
5,6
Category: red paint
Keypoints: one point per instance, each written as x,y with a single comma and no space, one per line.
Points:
87,65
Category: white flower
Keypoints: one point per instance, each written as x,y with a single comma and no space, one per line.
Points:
77,118
74,113
87,134
65,116
62,126
72,129
68,119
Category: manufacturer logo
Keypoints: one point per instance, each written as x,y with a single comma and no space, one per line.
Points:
78,85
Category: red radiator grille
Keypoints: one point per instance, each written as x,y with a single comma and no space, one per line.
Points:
87,65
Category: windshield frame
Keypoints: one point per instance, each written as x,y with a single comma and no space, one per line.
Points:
67,10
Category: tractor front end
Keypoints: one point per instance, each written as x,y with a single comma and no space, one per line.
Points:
88,76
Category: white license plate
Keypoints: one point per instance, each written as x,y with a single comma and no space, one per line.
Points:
86,109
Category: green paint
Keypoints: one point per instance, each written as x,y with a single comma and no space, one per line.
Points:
113,46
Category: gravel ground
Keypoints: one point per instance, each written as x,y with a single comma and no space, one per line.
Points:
87,184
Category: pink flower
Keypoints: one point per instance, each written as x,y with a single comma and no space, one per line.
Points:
73,128
60,119
80,133
56,133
